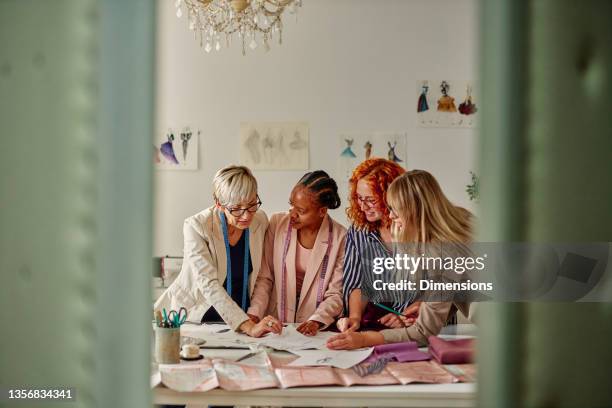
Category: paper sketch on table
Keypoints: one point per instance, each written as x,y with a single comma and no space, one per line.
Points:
334,358
189,377
242,377
290,339
217,335
274,145
420,372
176,150
350,377
307,376
207,374
436,104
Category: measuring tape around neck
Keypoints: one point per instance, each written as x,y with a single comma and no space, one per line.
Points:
320,289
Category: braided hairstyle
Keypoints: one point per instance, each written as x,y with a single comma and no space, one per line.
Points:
323,187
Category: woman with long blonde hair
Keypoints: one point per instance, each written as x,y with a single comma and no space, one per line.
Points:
416,197
421,215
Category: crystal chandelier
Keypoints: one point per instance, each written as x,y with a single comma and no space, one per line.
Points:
248,19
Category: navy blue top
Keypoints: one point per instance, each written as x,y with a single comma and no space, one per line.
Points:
237,257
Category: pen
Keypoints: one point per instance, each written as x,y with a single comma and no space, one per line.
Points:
165,318
388,309
245,357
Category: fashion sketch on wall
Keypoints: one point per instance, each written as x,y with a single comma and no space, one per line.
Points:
446,103
353,148
274,145
176,149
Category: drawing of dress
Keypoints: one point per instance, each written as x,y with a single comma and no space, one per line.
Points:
297,143
185,136
252,146
168,151
422,105
391,154
467,107
281,153
446,103
268,148
368,149
348,151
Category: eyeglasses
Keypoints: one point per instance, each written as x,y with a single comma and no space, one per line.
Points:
367,201
239,212
391,211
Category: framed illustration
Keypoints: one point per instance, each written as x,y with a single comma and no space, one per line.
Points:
446,103
353,148
176,150
274,145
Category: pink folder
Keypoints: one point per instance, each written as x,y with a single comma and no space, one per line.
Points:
452,351
401,352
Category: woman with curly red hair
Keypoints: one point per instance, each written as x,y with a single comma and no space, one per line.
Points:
421,214
369,233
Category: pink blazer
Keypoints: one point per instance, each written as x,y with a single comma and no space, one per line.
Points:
266,298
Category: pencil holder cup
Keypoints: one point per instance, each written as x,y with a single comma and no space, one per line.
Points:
167,345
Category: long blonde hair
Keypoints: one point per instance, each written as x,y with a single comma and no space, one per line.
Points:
416,198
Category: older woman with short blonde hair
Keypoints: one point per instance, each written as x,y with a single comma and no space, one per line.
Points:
223,246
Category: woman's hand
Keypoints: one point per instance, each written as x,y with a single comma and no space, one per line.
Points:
309,328
267,325
353,340
348,324
395,321
346,341
413,309
253,318
408,317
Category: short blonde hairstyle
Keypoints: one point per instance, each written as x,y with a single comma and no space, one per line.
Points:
234,184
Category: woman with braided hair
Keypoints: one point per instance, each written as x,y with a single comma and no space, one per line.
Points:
301,271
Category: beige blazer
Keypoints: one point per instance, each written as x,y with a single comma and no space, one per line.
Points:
266,295
200,282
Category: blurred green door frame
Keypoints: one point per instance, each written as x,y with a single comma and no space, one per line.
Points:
546,144
76,108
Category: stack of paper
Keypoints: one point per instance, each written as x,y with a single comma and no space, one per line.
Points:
289,339
334,358
208,374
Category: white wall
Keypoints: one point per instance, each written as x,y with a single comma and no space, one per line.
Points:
346,65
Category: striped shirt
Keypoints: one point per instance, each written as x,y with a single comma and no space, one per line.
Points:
360,249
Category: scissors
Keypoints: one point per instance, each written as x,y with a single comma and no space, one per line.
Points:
176,319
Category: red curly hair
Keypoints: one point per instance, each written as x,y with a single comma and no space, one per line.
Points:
379,174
